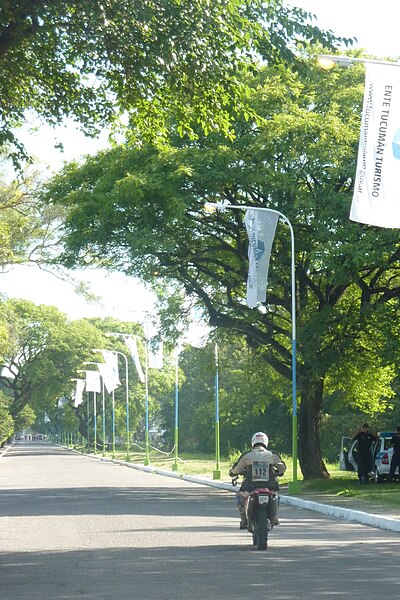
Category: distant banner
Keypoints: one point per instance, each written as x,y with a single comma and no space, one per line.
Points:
80,386
93,383
131,343
156,359
111,360
109,379
376,199
61,402
260,226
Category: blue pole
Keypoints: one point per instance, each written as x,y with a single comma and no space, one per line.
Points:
217,472
294,486
147,458
176,437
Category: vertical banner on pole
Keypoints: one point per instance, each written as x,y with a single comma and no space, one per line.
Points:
377,182
131,343
260,227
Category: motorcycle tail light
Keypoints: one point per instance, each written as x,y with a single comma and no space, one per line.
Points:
385,459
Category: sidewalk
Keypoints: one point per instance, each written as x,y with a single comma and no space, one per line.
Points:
349,509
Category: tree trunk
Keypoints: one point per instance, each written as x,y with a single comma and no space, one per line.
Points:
311,463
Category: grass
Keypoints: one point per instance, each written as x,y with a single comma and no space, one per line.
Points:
345,485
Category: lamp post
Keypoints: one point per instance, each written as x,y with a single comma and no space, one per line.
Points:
103,411
128,435
327,61
217,472
146,376
93,389
126,335
112,405
88,412
294,486
79,401
175,464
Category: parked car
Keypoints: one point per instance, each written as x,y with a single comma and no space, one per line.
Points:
381,455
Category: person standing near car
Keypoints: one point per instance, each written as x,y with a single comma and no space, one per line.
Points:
365,441
395,462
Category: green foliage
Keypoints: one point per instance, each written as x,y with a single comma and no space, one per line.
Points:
248,400
28,229
7,425
25,418
91,60
140,210
43,352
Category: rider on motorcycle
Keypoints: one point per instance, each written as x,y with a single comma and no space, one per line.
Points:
260,468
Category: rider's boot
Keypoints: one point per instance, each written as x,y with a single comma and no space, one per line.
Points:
243,519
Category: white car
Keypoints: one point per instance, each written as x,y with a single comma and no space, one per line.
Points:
381,455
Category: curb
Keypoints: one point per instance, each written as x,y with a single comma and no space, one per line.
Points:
3,451
346,514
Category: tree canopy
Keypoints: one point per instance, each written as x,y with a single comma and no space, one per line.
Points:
141,210
28,230
148,60
42,353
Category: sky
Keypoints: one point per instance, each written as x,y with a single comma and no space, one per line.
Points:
374,24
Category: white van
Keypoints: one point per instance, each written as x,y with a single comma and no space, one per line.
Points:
381,456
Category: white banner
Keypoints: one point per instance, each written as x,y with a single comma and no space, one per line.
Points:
62,402
156,360
108,375
80,386
260,226
93,383
376,199
111,360
131,343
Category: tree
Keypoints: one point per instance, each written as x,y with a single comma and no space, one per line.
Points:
43,353
28,230
90,60
141,211
6,421
250,399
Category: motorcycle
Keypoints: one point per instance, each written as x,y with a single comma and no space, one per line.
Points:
261,506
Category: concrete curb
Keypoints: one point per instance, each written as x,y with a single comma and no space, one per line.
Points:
355,516
3,451
347,514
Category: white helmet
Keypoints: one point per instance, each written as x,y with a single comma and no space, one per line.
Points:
259,438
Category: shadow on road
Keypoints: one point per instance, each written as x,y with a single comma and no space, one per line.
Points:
110,501
217,572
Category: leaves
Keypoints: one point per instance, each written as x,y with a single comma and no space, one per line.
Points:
150,60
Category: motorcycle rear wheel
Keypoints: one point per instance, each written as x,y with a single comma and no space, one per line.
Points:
261,529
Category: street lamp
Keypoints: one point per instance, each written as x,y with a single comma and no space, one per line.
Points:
94,410
112,334
112,406
327,61
217,472
103,408
294,486
126,336
88,413
176,437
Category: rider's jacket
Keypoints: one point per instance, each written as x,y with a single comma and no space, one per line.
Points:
260,468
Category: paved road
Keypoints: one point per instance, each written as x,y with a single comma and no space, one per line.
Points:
74,527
